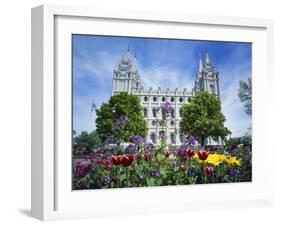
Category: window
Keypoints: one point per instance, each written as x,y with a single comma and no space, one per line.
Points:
212,88
181,138
163,99
172,123
173,138
189,99
181,99
154,99
153,138
145,98
145,112
172,99
173,113
164,116
154,112
181,112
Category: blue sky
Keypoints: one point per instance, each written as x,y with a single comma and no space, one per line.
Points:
162,62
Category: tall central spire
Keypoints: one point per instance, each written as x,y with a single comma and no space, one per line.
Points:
208,61
200,69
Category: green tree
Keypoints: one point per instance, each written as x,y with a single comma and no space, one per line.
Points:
121,117
203,118
245,95
87,140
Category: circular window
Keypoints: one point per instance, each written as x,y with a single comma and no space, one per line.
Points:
181,99
163,99
145,98
154,99
172,99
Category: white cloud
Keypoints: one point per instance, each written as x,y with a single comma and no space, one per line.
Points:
166,77
237,120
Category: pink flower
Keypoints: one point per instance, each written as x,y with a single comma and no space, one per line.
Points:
209,170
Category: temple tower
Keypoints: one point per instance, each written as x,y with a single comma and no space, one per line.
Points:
207,79
126,76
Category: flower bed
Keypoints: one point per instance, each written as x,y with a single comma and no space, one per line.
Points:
149,165
142,164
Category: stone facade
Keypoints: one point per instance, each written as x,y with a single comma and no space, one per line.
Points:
126,78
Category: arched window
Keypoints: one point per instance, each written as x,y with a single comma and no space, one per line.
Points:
173,138
163,99
212,88
181,138
181,99
172,123
154,112
181,112
153,138
164,116
145,112
154,99
173,113
172,99
145,98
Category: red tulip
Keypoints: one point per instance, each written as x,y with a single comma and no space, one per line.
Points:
126,160
116,160
190,153
203,155
209,170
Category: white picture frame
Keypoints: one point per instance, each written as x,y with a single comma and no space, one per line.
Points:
51,198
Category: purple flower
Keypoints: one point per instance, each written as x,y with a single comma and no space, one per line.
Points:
148,145
82,168
156,174
110,139
98,161
113,128
97,151
131,145
181,152
91,155
234,151
163,136
137,139
121,121
190,140
168,106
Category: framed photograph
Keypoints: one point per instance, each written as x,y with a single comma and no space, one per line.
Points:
136,113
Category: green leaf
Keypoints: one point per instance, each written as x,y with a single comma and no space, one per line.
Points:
150,181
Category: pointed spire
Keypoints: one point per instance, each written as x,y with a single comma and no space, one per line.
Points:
135,63
208,61
127,55
200,63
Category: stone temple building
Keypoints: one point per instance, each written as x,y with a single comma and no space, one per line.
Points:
126,78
